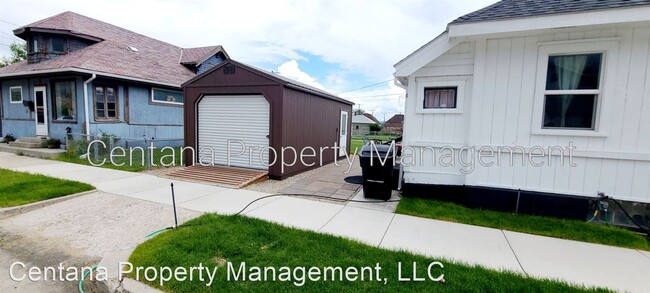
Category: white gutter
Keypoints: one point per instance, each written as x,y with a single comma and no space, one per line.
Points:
86,115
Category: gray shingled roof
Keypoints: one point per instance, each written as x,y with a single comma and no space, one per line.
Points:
526,8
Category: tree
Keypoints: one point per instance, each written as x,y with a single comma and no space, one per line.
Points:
375,127
359,111
18,53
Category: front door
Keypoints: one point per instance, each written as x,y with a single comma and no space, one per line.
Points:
40,108
343,135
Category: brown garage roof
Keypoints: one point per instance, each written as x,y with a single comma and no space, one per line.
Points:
288,82
119,52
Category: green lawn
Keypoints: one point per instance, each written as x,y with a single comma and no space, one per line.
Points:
218,240
546,226
18,188
137,165
356,144
357,141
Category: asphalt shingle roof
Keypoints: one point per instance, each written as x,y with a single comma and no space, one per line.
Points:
507,9
195,55
362,119
154,60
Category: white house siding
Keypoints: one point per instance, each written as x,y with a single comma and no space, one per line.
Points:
500,113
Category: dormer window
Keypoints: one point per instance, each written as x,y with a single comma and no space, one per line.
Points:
58,45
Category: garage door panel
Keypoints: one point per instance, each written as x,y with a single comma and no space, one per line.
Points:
234,118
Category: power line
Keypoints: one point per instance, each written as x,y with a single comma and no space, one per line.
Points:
8,38
373,96
365,87
2,20
11,36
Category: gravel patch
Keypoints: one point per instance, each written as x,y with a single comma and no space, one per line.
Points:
162,172
95,224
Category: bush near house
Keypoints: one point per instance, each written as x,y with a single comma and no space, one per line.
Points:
375,127
9,138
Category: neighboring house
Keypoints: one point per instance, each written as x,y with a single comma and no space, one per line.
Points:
238,115
535,73
394,124
372,117
361,124
94,77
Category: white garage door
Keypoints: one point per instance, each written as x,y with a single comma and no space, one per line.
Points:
239,121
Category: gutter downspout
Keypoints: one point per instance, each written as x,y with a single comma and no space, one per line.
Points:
86,115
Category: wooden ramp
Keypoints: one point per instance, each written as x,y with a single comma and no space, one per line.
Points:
221,175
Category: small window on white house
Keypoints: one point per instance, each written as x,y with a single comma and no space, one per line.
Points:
166,96
572,91
16,94
440,98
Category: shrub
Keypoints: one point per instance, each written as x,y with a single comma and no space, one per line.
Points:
9,138
53,143
375,127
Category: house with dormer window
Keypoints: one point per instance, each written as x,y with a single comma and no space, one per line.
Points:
89,77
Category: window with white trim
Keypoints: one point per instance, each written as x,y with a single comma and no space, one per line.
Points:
440,98
16,94
572,91
441,95
166,96
574,88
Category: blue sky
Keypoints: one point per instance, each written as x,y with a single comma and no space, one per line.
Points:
338,45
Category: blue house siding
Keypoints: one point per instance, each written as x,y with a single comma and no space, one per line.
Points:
19,121
145,119
143,111
212,61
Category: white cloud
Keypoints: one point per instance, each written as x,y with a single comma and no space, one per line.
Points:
291,70
363,36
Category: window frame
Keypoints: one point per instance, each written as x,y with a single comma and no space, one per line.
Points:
117,102
609,49
165,103
596,92
63,44
458,82
441,88
11,98
53,100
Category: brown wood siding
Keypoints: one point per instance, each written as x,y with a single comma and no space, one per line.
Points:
311,121
297,118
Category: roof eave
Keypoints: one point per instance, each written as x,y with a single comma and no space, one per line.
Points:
20,32
426,54
86,71
553,21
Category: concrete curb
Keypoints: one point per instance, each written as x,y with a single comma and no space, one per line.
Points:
12,211
113,283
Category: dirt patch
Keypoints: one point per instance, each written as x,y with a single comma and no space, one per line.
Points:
80,231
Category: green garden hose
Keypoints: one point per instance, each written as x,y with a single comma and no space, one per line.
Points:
81,282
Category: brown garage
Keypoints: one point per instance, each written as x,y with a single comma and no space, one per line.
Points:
241,116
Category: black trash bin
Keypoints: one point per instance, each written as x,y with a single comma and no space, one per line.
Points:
377,178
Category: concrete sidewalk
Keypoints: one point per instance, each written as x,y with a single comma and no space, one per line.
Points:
541,257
